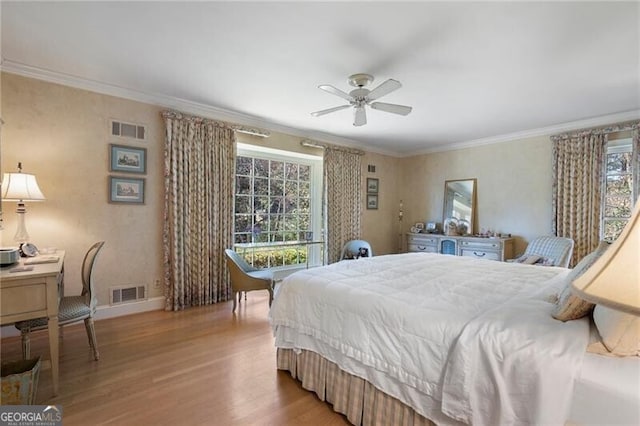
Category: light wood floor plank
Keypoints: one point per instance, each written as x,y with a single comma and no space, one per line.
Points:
202,366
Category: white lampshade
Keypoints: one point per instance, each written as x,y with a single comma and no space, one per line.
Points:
20,187
614,279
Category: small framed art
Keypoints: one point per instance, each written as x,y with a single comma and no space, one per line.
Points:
128,159
372,201
372,185
126,190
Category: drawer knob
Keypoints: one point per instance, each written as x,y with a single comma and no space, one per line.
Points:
481,254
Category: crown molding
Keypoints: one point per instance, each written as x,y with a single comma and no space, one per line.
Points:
209,111
172,102
532,133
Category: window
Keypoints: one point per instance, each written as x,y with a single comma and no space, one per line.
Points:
277,204
618,188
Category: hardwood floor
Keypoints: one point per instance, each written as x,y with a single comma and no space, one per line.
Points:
200,366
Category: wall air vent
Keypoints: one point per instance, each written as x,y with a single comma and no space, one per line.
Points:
128,130
127,294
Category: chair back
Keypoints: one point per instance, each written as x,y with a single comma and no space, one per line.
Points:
238,261
87,273
354,246
559,249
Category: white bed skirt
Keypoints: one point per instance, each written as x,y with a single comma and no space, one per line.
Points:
350,395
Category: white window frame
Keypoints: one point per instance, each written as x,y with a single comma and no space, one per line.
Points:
315,251
615,146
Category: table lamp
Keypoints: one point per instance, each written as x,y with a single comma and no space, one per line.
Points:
614,279
21,187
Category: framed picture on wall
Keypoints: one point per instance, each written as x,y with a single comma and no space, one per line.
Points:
372,185
126,190
128,159
372,201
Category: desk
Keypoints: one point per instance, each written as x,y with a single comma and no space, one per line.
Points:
34,294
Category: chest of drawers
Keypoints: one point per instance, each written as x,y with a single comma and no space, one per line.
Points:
499,249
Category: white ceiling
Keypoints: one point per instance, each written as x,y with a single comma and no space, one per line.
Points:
473,72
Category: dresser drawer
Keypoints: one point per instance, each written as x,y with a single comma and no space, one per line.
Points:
423,240
480,254
481,245
423,248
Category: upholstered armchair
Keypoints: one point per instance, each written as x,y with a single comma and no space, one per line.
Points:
245,277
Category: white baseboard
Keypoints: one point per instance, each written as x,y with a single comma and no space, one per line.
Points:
104,312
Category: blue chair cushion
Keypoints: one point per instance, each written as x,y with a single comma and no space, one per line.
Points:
72,308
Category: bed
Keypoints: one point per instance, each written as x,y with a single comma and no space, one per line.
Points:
422,338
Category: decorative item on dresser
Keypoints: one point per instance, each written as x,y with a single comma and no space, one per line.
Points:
481,248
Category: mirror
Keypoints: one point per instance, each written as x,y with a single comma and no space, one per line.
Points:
460,202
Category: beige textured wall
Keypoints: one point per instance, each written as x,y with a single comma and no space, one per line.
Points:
62,136
514,186
381,227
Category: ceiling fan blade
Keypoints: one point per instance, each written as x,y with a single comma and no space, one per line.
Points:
393,108
386,87
329,110
359,116
334,91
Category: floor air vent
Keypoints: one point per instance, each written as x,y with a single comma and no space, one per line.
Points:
127,294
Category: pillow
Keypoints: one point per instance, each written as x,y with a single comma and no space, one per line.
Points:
620,332
570,306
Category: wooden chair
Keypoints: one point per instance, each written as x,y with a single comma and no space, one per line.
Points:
245,277
353,247
71,309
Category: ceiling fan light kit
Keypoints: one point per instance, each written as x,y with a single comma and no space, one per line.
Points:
360,97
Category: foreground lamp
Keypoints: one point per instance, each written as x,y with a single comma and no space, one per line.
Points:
21,187
614,279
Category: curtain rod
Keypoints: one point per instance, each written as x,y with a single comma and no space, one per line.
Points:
237,127
611,128
324,145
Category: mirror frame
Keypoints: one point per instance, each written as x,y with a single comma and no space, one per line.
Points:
474,204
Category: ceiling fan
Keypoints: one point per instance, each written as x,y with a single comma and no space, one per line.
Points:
360,97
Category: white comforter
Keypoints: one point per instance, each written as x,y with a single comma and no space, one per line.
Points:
458,339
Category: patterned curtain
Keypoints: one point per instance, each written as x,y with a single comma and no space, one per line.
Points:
577,191
343,198
199,156
635,154
577,183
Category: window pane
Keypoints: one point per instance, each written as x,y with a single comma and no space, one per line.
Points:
277,205
243,204
261,206
619,185
242,238
305,189
305,172
242,223
243,185
616,206
277,187
261,167
261,186
619,163
277,170
304,223
243,166
613,228
290,205
291,188
292,171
